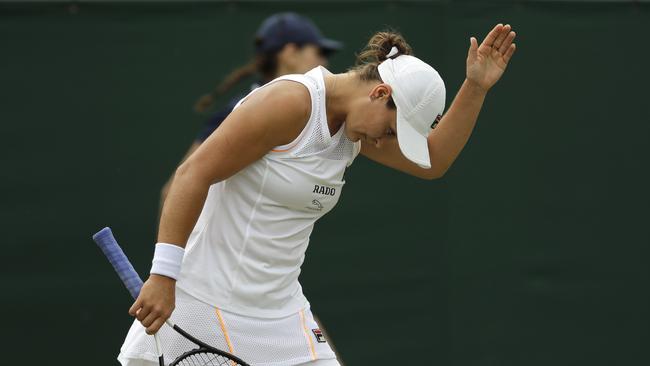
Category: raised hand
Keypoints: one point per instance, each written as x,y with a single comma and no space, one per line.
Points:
487,62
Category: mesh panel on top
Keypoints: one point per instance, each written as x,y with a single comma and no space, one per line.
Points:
317,138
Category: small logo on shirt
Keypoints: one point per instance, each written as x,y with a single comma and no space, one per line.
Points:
328,191
316,205
320,338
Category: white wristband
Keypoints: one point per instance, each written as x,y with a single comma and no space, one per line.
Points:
167,259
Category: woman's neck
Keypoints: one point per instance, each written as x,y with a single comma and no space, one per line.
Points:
342,91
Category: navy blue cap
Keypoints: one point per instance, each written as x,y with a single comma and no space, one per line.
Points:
283,28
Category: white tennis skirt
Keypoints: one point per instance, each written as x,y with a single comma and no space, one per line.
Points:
287,341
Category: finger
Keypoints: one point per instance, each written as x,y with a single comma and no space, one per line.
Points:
506,44
501,37
142,313
133,310
494,33
149,319
155,326
511,50
473,47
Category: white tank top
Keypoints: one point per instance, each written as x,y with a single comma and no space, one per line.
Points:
249,242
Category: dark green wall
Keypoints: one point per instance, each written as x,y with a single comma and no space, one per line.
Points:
533,250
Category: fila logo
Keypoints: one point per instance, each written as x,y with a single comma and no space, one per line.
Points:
435,123
320,338
328,191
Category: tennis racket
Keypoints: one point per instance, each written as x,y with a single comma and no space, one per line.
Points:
203,355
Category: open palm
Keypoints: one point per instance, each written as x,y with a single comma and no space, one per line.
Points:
487,62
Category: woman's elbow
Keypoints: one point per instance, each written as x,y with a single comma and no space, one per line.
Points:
432,176
434,173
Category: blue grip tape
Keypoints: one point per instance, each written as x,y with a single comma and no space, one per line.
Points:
107,243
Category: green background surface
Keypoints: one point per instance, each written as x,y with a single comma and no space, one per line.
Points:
532,250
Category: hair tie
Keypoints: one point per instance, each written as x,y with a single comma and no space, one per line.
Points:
393,52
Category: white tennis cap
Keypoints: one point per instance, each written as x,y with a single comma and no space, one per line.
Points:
419,94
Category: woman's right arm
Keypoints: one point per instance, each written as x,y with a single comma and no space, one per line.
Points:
273,116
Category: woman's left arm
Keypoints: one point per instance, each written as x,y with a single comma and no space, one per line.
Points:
485,65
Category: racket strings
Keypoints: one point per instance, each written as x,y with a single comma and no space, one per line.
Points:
205,359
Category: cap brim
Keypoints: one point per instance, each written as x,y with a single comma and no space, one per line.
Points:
330,45
414,146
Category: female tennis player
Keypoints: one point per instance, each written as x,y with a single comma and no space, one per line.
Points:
237,220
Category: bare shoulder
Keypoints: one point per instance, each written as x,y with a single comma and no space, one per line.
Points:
284,100
273,115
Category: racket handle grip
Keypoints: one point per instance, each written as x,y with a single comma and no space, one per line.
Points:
107,243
